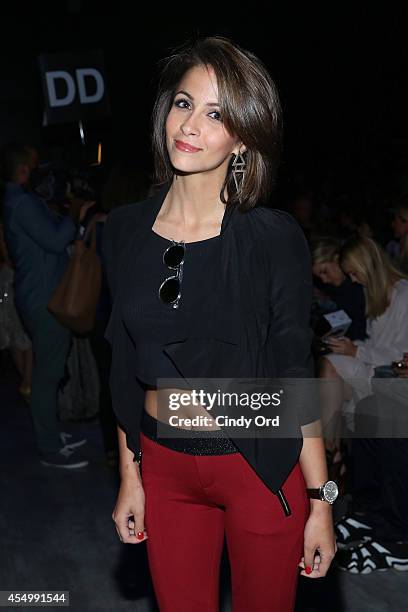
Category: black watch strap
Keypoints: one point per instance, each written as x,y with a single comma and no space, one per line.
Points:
313,493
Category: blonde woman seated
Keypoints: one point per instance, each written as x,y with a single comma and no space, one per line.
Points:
337,285
351,364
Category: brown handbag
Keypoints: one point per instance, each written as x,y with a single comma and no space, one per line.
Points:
75,299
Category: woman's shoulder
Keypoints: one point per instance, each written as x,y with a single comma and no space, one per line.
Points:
401,290
121,226
130,215
268,217
274,228
127,212
399,297
267,221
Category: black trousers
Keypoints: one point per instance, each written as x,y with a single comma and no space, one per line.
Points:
103,357
379,482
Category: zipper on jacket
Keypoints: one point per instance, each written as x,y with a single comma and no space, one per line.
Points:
282,499
283,502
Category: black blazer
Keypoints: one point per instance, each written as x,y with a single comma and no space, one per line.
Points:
257,324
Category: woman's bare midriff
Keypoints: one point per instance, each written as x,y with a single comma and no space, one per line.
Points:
157,405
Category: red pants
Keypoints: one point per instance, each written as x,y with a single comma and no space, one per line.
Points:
191,503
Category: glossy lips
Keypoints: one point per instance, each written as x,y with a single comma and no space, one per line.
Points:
185,147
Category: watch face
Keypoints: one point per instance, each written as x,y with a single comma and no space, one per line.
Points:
330,491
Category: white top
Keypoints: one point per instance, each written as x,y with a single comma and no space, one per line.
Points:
388,334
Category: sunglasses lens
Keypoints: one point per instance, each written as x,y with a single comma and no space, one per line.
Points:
174,256
169,291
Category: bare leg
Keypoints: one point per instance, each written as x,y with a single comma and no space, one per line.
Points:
333,392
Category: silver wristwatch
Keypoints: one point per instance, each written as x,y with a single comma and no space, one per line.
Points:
328,492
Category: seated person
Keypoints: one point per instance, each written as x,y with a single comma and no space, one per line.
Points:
351,364
337,286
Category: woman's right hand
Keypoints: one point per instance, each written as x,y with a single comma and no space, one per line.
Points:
128,514
343,346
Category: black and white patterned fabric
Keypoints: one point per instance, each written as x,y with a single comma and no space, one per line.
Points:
351,530
373,556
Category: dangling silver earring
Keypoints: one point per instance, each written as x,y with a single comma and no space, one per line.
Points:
238,173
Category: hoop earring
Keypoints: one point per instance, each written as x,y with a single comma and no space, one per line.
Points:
238,173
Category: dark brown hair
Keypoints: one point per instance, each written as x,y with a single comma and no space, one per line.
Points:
249,105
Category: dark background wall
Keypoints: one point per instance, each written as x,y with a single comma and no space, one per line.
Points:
342,75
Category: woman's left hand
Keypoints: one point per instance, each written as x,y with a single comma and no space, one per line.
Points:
343,346
319,543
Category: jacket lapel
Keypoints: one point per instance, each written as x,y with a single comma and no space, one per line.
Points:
212,346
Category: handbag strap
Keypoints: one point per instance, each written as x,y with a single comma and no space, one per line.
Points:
91,228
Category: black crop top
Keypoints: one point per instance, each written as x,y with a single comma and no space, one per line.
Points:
149,321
